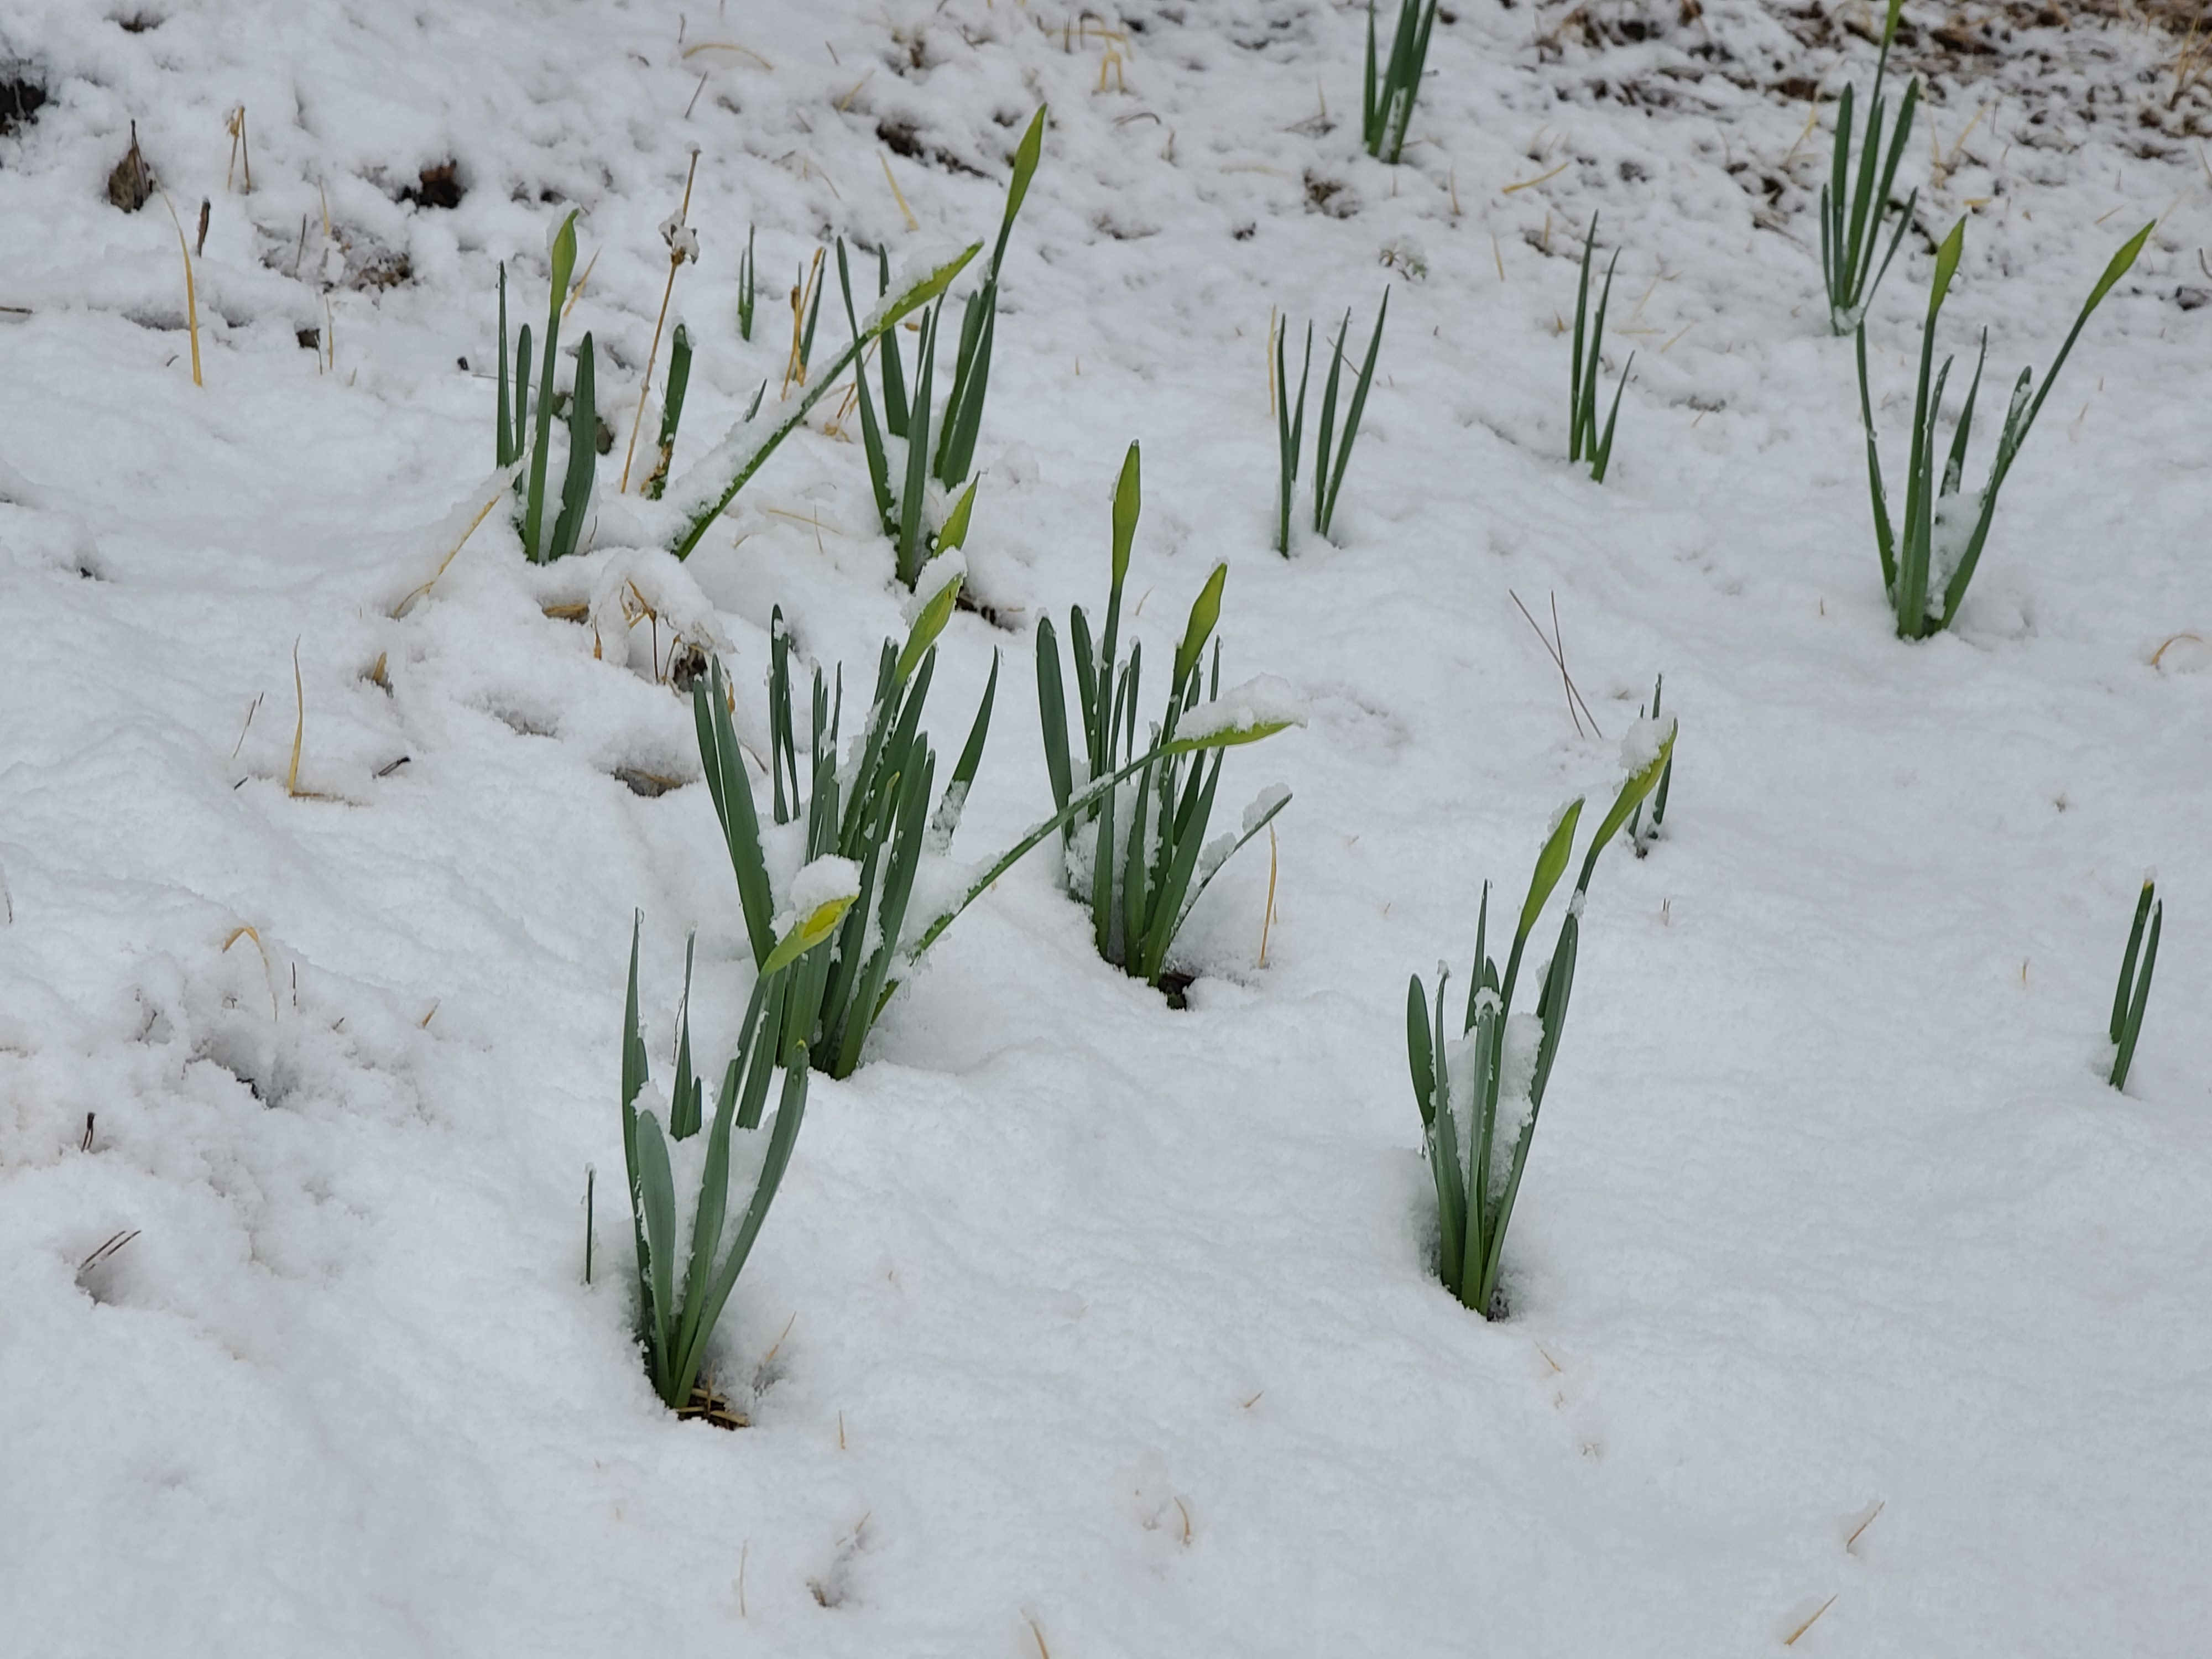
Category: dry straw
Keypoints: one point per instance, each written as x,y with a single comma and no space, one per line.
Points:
192,296
682,245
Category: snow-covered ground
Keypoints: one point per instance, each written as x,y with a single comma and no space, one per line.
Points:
1083,1326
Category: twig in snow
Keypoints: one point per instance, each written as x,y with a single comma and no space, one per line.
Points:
402,608
2162,651
1792,1640
246,930
912,223
577,292
1530,183
728,46
107,1251
1883,1502
1267,916
761,1370
682,245
191,298
254,707
238,150
1555,648
299,728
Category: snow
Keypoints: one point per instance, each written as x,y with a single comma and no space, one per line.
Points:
909,273
1263,700
1264,803
1643,741
1079,1324
823,881
939,572
1516,1069
1951,528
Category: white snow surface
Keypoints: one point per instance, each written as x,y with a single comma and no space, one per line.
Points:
1080,1325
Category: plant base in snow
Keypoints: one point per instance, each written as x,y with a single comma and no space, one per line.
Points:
1641,835
1584,441
685,1275
707,1407
1928,558
1387,105
1146,863
1331,454
1480,1094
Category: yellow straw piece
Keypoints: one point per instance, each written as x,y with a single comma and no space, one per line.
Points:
402,608
192,300
2170,638
675,257
577,292
1530,183
1791,1641
912,223
1267,920
728,46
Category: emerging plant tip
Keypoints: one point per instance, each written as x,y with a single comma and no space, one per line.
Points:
2132,994
1332,454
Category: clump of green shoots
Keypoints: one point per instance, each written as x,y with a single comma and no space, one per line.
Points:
705,492
1480,1094
1641,834
873,815
2134,990
911,448
1928,558
1387,108
1584,441
1853,203
905,508
518,438
1137,854
1332,454
683,1283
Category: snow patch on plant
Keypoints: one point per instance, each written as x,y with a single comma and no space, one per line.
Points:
1264,700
